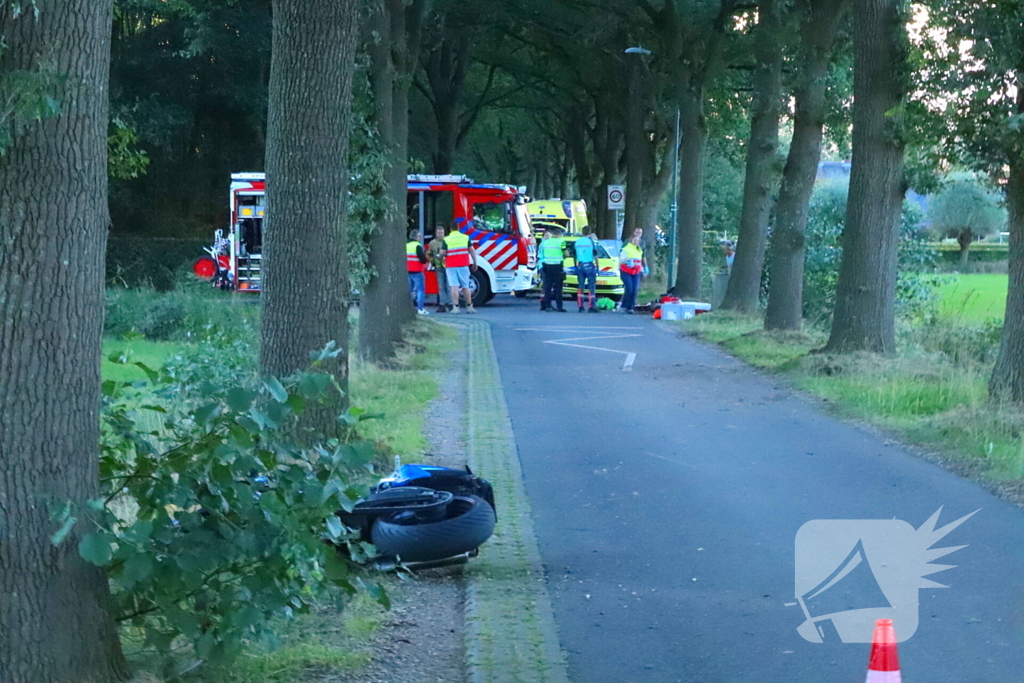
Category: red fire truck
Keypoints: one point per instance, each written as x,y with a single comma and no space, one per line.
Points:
494,216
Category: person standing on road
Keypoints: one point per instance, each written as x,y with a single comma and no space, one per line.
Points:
632,265
587,268
551,254
458,254
434,253
416,264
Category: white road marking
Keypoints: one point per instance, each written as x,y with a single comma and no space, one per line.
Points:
601,333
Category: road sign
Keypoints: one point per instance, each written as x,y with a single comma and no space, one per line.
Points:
616,197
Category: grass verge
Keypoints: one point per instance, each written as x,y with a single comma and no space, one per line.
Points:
932,398
326,644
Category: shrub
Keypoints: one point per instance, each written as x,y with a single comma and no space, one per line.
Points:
216,518
827,215
961,343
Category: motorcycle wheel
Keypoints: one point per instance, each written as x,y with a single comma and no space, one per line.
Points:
468,523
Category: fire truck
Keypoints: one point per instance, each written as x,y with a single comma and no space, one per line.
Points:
494,217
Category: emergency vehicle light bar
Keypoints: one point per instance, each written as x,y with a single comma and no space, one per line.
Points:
248,176
447,179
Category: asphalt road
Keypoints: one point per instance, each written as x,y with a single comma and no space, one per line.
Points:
667,499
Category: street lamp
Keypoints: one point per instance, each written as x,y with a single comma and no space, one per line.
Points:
674,210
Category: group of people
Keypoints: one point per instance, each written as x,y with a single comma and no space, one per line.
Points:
551,255
450,257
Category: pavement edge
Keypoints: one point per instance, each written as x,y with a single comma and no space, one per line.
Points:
511,635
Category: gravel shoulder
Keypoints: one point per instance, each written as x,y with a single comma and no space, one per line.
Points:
420,640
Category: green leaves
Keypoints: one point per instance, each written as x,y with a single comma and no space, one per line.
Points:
221,515
96,548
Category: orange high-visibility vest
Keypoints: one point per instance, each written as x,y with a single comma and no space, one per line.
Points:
457,246
412,258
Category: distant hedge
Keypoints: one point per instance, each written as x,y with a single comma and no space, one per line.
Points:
135,261
981,252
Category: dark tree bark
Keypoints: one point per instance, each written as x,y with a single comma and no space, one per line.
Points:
964,239
865,291
819,21
743,293
393,49
306,297
608,147
700,55
1007,381
690,198
53,231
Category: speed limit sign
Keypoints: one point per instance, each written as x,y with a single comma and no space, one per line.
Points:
616,197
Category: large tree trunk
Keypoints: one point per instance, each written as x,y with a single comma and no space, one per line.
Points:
785,291
689,246
1007,381
608,148
446,67
385,306
743,293
965,238
305,296
53,228
866,288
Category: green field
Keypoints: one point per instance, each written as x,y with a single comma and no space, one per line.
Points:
973,298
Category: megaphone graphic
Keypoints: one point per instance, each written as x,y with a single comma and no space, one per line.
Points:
851,586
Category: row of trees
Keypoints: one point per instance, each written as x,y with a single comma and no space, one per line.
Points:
540,91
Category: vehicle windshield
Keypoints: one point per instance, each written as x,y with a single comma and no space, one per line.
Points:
493,217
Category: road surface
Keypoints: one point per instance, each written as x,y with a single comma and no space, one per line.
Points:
668,483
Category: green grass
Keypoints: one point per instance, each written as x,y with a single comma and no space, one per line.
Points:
402,391
151,353
973,298
932,398
323,645
744,336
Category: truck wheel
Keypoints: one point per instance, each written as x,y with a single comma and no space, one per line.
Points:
480,286
469,521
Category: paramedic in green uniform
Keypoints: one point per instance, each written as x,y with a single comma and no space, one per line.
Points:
552,272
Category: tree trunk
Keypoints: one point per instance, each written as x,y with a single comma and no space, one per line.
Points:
743,293
446,67
865,291
385,306
690,235
53,228
1007,382
305,295
785,291
608,148
964,239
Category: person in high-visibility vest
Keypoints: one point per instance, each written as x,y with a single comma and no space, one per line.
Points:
632,265
434,253
459,256
415,265
551,255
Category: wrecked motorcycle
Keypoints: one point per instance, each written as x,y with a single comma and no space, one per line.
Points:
425,516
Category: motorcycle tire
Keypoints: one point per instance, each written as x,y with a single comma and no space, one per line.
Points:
468,523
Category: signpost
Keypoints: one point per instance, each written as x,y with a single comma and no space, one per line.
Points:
616,197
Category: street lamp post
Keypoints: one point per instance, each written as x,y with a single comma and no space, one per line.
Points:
674,210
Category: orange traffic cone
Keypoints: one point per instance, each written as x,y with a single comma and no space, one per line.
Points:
884,666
